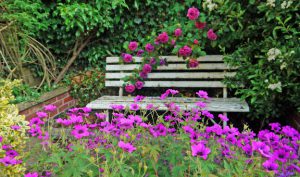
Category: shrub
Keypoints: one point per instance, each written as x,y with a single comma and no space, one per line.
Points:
13,133
140,141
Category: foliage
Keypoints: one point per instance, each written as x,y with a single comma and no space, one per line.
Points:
87,86
13,132
140,141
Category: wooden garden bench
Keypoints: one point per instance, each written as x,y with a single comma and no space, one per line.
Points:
208,74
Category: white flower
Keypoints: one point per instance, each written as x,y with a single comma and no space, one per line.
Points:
286,4
275,86
283,65
273,53
271,3
210,5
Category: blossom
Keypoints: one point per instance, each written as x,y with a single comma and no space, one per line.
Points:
134,107
36,121
41,114
223,117
275,126
126,123
211,35
149,48
7,160
34,174
207,114
143,75
138,98
286,4
127,147
172,91
158,130
127,58
12,153
275,86
173,42
162,62
80,131
193,63
101,116
200,25
86,109
273,53
193,13
147,68
185,51
117,107
178,32
1,139
76,119
140,52
132,45
162,38
271,3
202,94
136,119
281,155
152,61
50,107
270,165
196,41
129,88
101,170
15,127
200,104
200,150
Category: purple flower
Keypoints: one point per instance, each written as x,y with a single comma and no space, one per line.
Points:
138,98
50,107
134,107
193,13
129,88
101,170
202,94
135,118
36,121
270,165
211,35
143,75
127,147
35,131
207,114
127,58
86,109
33,174
147,68
223,117
64,122
101,116
275,126
117,107
11,153
185,51
15,127
162,62
149,48
132,45
173,42
41,114
80,131
139,85
1,139
126,123
139,53
200,104
173,92
178,32
158,130
200,150
162,38
281,155
7,160
76,119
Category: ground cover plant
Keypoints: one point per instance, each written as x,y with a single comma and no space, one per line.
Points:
139,141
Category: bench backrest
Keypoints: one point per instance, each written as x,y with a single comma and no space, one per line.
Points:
208,74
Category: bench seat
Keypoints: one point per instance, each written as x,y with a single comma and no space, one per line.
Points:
213,104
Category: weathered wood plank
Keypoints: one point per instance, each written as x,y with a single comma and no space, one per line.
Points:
189,84
213,105
203,66
171,59
176,75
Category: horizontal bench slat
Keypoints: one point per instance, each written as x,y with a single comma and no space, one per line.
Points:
170,59
207,84
213,105
176,75
203,66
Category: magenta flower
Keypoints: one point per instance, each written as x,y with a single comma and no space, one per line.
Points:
127,147
143,75
185,51
34,174
196,42
41,114
281,155
223,117
139,53
136,119
193,63
200,150
270,165
101,116
117,107
150,106
207,114
1,139
211,35
36,121
173,42
193,13
15,127
172,91
134,107
64,122
50,107
12,153
202,94
80,131
76,119
86,109
133,45
139,85
152,61
147,68
158,130
101,170
126,123
7,161
127,58
275,126
200,25
162,38
200,104
35,131
129,88
139,98
178,32
149,48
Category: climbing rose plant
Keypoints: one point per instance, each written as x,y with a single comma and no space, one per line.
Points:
141,141
184,40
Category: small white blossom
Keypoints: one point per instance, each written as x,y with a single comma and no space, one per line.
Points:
286,4
275,86
271,3
210,5
273,53
283,65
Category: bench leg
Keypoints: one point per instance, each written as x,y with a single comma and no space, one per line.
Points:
107,115
224,123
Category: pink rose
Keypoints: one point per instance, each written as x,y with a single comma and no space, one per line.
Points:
173,42
162,38
200,25
178,32
211,35
147,68
152,61
196,41
193,13
185,51
140,53
149,48
143,75
133,45
193,63
127,58
129,88
139,85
